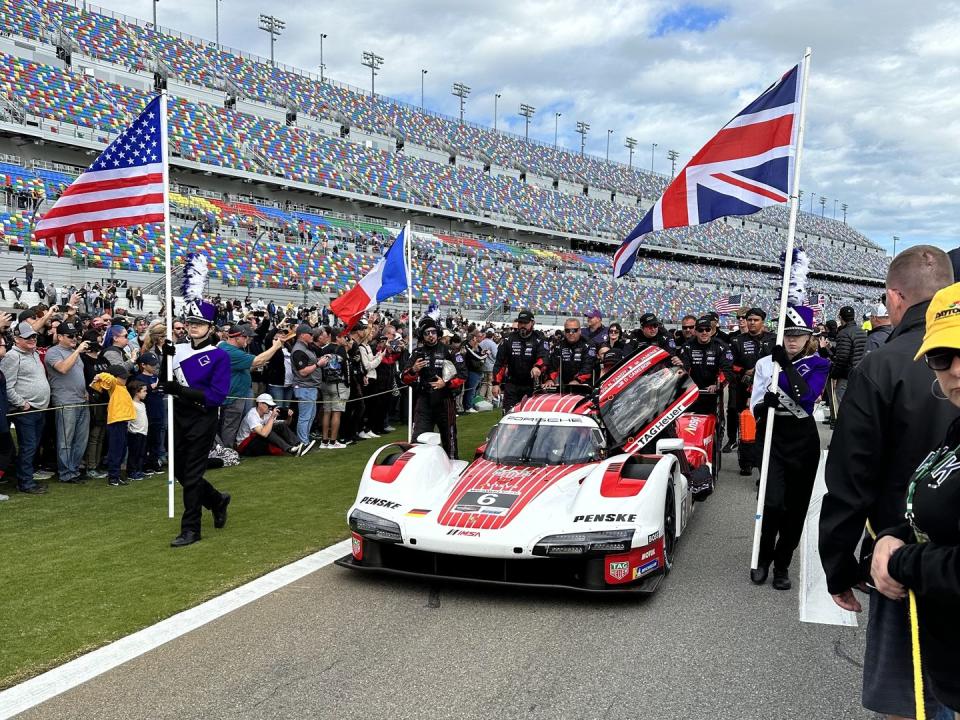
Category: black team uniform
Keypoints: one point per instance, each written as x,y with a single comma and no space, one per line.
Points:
201,383
432,407
517,355
573,362
705,363
747,350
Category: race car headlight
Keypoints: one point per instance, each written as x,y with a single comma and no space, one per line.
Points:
603,541
374,527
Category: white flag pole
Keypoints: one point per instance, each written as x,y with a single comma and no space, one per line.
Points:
168,299
408,253
788,263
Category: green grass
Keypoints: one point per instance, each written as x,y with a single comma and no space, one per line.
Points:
84,565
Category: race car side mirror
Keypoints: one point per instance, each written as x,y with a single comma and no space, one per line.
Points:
668,445
432,438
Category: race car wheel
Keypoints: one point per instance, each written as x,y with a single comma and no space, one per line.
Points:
669,529
717,458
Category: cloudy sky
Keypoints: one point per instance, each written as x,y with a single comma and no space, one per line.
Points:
883,122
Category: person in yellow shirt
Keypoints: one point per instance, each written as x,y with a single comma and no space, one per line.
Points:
120,411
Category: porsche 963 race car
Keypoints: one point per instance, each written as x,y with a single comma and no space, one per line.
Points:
583,492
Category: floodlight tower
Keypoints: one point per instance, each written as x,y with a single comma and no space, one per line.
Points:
844,208
273,25
630,144
496,97
609,133
896,239
672,156
823,205
322,66
527,112
374,62
653,146
461,91
582,128
556,125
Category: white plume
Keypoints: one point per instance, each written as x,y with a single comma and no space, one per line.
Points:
194,277
797,292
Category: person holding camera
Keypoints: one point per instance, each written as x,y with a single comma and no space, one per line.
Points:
264,432
68,391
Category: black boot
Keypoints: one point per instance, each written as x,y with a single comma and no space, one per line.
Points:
187,537
220,514
781,579
729,447
758,576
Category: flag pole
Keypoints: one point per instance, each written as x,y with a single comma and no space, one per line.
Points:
787,265
408,253
168,286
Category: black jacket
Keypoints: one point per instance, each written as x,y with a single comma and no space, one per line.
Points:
877,337
932,569
887,423
851,345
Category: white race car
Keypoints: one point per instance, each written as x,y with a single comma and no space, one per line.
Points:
566,491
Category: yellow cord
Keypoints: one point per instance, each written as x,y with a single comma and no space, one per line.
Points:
917,670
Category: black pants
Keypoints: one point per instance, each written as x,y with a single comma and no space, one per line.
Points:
136,453
440,412
194,429
374,407
512,394
705,405
794,456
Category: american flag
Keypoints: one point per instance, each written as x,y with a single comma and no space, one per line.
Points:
745,167
124,187
728,304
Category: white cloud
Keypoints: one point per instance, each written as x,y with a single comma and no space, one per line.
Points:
882,134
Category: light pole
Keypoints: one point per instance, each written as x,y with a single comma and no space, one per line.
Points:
274,26
896,239
155,14
630,144
495,98
461,91
811,203
609,133
653,146
844,208
374,62
216,21
672,156
556,121
582,128
527,111
823,205
322,66
423,74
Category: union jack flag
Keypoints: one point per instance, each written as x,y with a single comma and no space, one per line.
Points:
744,168
124,187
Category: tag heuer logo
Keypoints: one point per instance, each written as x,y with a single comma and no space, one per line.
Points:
619,570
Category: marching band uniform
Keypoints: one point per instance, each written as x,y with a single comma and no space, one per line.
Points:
201,382
795,448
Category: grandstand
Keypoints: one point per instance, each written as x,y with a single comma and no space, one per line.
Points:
289,182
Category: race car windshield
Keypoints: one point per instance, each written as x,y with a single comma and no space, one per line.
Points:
643,401
541,444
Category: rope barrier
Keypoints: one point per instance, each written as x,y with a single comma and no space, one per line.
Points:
915,650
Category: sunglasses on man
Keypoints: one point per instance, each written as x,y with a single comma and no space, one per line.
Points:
571,331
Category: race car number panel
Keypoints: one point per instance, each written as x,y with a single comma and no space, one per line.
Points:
485,502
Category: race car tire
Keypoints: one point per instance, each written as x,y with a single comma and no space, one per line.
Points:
717,458
669,529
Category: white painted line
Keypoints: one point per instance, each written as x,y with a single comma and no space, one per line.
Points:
54,682
816,605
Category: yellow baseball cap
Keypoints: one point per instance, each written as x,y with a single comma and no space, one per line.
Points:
943,321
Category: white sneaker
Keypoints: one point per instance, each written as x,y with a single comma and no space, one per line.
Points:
336,446
323,445
389,428
372,434
4,497
42,475
366,434
295,450
472,410
308,447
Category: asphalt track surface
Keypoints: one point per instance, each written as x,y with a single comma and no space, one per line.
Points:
339,644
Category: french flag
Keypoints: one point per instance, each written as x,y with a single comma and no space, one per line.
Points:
388,278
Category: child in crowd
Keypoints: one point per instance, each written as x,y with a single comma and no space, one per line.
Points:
120,411
137,432
156,452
